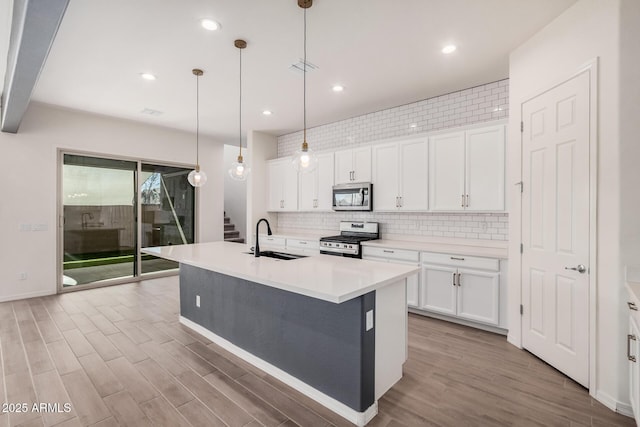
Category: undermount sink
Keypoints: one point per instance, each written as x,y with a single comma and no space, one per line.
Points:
278,255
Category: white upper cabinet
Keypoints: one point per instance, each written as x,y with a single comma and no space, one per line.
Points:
315,187
485,169
400,176
282,186
446,172
353,165
466,170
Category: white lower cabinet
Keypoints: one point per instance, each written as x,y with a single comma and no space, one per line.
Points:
633,354
450,287
399,256
304,246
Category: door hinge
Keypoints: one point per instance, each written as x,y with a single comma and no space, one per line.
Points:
521,248
521,126
521,310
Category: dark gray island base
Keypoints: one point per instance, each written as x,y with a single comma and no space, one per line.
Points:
344,355
321,343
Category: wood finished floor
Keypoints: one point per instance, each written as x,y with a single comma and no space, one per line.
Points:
120,357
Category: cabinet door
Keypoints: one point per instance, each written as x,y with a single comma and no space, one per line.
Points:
308,190
343,166
446,172
274,186
438,290
289,186
634,371
385,177
485,169
362,164
479,296
413,173
324,174
413,285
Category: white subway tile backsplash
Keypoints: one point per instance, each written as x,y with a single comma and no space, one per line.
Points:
474,105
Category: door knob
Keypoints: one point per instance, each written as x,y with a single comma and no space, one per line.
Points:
580,268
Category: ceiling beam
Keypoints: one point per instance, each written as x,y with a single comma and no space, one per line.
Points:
33,28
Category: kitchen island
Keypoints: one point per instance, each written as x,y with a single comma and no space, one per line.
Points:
333,328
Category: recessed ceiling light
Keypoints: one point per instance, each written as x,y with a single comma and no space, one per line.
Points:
267,113
337,88
449,49
210,24
148,76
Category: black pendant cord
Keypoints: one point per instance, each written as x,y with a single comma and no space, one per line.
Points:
304,79
197,121
240,113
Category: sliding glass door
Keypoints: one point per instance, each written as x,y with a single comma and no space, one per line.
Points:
167,214
111,208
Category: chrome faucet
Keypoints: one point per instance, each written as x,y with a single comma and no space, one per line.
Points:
256,250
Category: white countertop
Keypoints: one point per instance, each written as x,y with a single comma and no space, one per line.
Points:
481,248
326,277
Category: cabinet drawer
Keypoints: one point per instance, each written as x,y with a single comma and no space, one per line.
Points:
491,264
266,240
391,254
303,244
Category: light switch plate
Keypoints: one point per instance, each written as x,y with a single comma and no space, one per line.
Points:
197,300
369,320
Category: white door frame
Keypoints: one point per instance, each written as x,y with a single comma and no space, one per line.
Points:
515,322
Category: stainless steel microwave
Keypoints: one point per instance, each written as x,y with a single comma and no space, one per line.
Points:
353,197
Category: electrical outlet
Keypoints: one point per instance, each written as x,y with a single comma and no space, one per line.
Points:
23,276
25,227
484,226
198,301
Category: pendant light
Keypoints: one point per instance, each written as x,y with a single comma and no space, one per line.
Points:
196,177
239,170
304,160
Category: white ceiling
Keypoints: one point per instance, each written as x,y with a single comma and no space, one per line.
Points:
385,53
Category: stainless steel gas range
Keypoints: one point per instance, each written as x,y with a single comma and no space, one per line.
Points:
347,243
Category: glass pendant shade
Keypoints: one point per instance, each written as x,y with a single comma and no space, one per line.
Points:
239,170
304,160
197,178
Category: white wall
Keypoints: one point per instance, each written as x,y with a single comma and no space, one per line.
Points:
261,147
235,192
589,29
28,172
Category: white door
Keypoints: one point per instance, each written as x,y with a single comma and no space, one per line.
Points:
343,166
438,292
414,194
325,182
555,227
446,172
485,167
385,177
479,295
362,164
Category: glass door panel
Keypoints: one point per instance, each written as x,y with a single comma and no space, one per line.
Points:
167,203
99,208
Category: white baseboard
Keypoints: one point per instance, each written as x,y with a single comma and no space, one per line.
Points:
613,404
358,418
27,295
